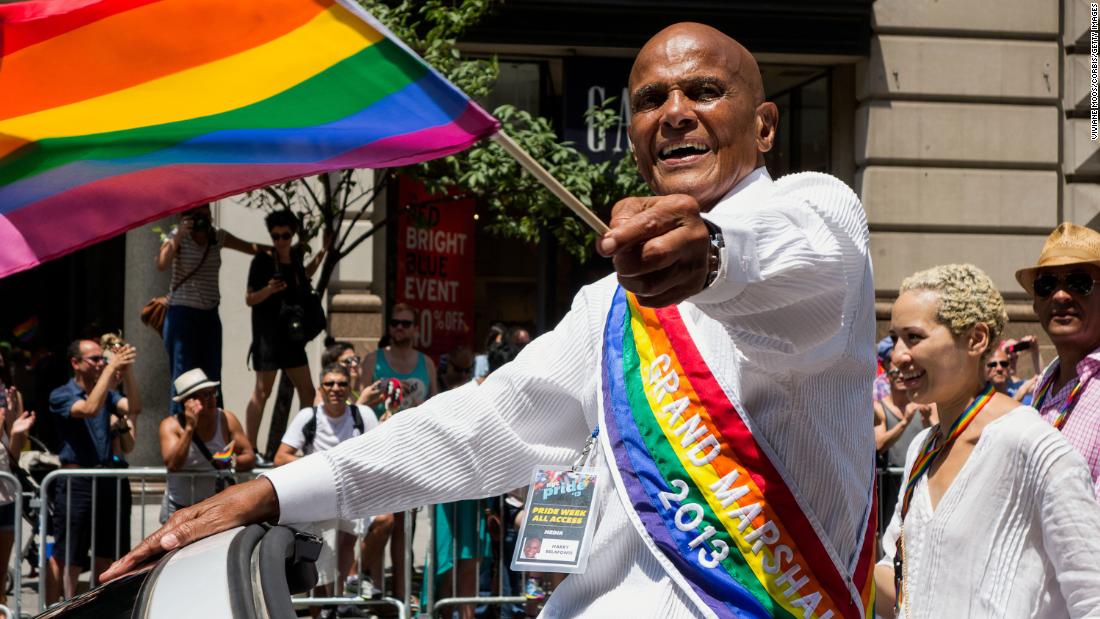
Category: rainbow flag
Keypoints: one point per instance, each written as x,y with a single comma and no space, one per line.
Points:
115,113
26,330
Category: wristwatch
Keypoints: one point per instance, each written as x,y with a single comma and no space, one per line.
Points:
714,259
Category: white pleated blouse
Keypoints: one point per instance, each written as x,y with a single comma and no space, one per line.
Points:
1016,535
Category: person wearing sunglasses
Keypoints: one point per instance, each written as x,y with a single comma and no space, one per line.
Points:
400,360
1000,370
192,328
996,515
1063,289
320,428
81,410
277,279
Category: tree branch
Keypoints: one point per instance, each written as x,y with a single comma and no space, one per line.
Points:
269,190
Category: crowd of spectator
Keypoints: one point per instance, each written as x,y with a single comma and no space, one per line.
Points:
203,444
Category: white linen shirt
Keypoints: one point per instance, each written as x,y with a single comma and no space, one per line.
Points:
788,327
1015,535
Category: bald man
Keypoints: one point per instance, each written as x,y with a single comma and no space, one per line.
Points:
724,367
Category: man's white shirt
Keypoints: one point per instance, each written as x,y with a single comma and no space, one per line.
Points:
330,431
788,327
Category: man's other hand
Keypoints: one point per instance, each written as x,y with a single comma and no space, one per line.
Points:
660,247
248,503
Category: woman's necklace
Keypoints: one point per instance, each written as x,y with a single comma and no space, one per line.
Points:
929,451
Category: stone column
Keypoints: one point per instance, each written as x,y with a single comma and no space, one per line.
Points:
1081,167
143,282
958,136
356,317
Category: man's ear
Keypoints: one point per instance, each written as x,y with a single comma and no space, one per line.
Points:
766,121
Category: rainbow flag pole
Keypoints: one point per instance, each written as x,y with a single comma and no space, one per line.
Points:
119,112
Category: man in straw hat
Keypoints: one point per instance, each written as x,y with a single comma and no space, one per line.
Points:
732,351
1063,288
201,444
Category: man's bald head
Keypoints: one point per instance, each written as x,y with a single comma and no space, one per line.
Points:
699,120
679,38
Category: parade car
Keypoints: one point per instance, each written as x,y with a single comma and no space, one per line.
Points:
243,573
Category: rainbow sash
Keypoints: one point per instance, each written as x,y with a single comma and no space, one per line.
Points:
704,491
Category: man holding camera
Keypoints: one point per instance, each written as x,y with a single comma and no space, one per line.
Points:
82,409
1063,289
192,329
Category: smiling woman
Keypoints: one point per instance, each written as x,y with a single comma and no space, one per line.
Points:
989,460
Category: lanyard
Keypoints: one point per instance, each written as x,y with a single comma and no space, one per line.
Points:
924,461
583,459
1071,400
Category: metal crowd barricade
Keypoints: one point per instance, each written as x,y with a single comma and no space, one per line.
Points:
503,565
139,478
145,475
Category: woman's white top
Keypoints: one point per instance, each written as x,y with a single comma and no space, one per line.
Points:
1016,535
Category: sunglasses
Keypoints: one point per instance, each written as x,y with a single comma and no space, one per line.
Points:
285,236
342,384
401,323
96,359
1078,282
993,364
351,362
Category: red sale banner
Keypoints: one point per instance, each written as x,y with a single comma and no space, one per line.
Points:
435,267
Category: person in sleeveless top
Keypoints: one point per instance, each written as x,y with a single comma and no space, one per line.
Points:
998,519
399,360
194,472
192,328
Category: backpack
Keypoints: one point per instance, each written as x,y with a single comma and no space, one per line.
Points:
309,431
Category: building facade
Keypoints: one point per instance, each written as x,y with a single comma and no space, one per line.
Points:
964,126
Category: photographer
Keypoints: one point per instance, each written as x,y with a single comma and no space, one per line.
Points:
85,409
201,439
1019,388
192,329
278,293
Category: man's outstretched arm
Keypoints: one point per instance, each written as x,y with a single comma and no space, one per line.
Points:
470,442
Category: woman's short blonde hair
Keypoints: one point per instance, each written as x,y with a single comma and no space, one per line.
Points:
967,297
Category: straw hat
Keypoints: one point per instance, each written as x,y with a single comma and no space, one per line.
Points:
191,382
1068,244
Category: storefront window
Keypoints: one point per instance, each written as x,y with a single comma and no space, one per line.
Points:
802,138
